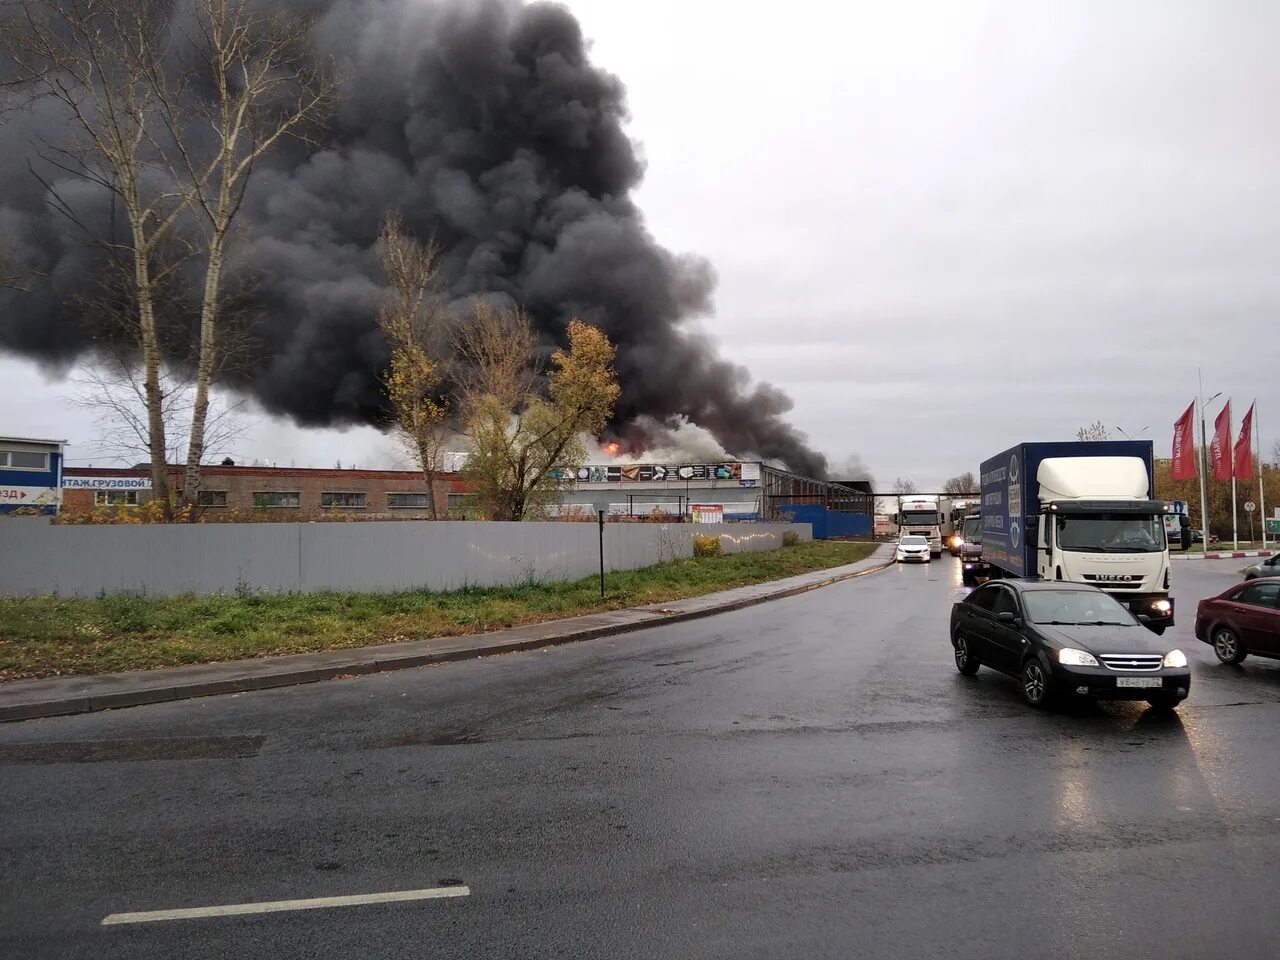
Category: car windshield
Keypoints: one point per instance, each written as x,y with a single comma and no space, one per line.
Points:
914,541
1111,534
1074,607
973,530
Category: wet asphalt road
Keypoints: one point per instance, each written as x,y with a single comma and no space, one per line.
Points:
809,778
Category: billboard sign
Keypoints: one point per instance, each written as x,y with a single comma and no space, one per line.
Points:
707,512
106,483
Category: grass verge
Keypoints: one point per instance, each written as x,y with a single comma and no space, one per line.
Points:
47,636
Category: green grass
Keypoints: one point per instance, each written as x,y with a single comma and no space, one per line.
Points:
48,636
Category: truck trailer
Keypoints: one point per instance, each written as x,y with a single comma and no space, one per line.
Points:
1081,511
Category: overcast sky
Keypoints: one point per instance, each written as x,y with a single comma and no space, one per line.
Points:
943,228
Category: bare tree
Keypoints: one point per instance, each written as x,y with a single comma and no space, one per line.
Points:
99,60
903,485
265,86
1275,452
112,390
1094,431
410,321
965,483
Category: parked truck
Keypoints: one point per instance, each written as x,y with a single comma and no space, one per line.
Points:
926,516
972,566
1081,512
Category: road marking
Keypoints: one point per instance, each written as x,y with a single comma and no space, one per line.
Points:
279,906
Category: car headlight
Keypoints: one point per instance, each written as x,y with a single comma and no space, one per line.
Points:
1175,658
1164,606
1076,658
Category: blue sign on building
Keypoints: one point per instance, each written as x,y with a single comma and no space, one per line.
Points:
30,475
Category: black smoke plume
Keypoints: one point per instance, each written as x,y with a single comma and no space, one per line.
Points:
485,124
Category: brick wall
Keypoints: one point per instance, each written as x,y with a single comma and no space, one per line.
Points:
241,484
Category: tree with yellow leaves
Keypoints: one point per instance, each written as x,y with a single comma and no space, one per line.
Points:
525,422
409,319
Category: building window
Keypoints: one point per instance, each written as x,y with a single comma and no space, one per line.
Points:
23,460
268,499
344,501
211,498
408,501
115,498
457,501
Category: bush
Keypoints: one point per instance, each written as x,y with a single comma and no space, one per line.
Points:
704,546
790,538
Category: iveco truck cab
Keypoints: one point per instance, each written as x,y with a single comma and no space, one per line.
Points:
1081,512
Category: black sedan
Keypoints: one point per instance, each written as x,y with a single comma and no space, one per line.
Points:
1066,639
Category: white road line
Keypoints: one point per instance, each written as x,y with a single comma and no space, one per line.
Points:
278,906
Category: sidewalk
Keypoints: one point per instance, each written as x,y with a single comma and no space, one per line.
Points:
56,696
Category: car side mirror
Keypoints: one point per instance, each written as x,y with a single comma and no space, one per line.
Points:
1031,536
1144,618
1004,616
1186,538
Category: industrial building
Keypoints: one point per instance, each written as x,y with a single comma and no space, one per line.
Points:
735,490
285,490
708,492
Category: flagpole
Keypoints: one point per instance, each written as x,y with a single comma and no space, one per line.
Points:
1204,471
1262,497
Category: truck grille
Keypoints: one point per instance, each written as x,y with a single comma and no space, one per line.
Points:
1132,661
1113,584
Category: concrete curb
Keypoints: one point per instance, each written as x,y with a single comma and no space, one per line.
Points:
1228,555
61,696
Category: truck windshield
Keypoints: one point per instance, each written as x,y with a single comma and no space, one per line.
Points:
973,530
919,518
1107,533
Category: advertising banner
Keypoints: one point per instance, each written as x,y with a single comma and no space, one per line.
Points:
708,512
1184,446
1220,445
1244,448
28,496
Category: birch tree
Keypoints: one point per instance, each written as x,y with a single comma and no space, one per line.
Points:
265,86
411,321
99,60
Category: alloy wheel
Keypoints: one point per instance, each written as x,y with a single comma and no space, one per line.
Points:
1033,682
1225,645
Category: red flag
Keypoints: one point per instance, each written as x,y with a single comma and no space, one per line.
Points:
1184,446
1221,443
1244,447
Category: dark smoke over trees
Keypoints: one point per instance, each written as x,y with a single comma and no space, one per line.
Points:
485,125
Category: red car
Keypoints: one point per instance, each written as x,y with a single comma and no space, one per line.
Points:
1241,620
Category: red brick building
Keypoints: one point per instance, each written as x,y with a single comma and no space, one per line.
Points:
278,490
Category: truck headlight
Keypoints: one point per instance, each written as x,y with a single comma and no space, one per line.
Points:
1163,606
1175,658
1076,658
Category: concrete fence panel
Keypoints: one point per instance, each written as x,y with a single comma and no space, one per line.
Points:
37,557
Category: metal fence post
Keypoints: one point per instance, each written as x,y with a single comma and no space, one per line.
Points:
600,515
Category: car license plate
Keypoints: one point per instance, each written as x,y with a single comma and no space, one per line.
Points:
1139,682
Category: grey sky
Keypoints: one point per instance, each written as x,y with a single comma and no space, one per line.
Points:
942,227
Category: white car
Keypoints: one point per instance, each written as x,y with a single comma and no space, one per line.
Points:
912,548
